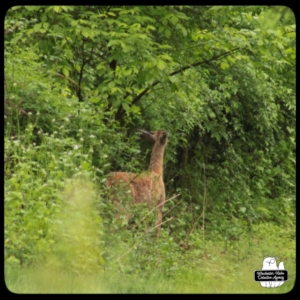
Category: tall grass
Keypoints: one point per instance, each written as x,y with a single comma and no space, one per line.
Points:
41,279
73,266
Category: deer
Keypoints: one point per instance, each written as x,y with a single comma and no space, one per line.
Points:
147,187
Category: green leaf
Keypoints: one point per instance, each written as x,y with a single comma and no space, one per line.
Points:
85,165
243,209
115,89
37,26
128,89
111,84
166,57
161,29
211,114
224,65
46,25
174,87
15,7
56,8
184,32
161,64
44,18
260,42
112,42
167,33
85,33
173,19
125,106
127,72
135,109
94,99
65,72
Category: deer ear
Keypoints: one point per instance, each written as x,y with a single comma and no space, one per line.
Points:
164,137
146,135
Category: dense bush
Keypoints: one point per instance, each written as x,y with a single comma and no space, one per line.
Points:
78,83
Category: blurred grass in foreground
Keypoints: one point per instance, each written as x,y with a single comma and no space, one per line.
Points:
50,280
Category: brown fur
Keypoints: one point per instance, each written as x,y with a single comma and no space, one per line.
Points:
147,187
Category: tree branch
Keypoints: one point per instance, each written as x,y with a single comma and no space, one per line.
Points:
84,62
216,57
120,111
284,56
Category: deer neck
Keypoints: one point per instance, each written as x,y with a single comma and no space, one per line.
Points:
156,162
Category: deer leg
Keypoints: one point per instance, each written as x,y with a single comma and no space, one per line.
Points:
158,223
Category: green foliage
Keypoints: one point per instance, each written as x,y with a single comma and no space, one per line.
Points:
77,230
79,81
208,267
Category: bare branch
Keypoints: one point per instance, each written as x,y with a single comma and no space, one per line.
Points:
75,83
140,239
175,196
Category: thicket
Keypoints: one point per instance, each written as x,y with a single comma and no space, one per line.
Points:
78,83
